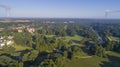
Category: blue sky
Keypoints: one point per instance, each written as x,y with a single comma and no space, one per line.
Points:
61,8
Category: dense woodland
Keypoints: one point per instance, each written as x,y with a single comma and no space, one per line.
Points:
55,42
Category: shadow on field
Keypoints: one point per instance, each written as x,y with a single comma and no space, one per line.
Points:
113,62
86,51
41,56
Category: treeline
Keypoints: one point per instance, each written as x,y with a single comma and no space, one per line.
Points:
107,30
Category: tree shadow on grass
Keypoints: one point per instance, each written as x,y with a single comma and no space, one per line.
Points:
24,52
10,56
86,51
17,58
40,57
113,62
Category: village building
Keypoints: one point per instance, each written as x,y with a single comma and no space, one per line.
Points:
31,30
6,41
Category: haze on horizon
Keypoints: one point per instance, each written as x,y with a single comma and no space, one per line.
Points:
61,8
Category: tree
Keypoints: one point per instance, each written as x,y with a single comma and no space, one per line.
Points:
70,54
21,64
70,42
65,54
8,49
110,46
100,51
47,63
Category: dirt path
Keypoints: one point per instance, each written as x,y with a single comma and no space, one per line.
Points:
84,57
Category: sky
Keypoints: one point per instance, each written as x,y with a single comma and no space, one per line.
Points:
60,8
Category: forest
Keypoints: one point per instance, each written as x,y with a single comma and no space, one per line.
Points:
61,43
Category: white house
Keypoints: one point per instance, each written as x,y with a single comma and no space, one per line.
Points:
7,41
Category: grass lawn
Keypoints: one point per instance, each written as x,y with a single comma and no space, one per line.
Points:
113,60
20,48
49,35
75,39
111,38
86,62
113,53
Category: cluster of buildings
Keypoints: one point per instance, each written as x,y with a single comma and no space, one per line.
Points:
19,29
6,40
69,22
24,28
31,30
15,21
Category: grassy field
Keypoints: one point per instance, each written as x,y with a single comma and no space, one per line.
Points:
113,53
111,38
20,48
49,35
86,62
112,60
75,39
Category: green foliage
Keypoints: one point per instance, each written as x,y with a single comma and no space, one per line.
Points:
8,49
7,61
70,42
21,64
30,56
59,44
24,39
100,51
65,54
47,63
